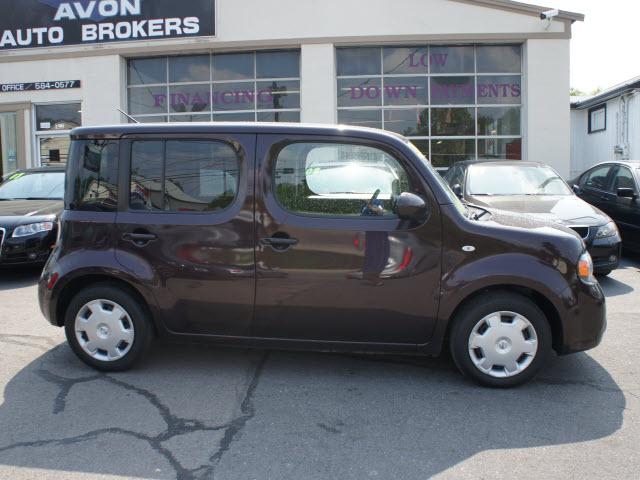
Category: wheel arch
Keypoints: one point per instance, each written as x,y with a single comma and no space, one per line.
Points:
71,288
542,302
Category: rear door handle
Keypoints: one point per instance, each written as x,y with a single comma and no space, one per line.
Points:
139,239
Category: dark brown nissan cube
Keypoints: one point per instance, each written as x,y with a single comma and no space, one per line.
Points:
301,236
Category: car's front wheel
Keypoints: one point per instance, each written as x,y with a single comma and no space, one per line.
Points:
107,328
500,339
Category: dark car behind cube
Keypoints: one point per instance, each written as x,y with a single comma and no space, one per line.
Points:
295,236
614,188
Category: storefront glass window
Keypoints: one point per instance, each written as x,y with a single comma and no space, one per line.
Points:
247,86
53,124
456,102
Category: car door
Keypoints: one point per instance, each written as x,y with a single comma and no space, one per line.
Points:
626,211
333,261
595,187
185,228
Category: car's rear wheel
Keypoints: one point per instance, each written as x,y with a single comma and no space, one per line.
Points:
500,339
107,328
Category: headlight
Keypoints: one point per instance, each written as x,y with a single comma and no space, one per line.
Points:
608,230
32,228
585,268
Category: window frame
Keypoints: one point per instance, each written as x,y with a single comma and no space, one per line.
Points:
284,215
221,216
590,113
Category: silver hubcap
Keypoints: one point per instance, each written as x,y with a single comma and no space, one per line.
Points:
104,330
503,344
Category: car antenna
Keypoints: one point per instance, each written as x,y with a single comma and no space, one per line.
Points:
127,115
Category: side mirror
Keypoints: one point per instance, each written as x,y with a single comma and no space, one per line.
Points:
409,206
457,189
627,193
576,189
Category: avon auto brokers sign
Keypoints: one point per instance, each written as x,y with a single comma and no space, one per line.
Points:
47,23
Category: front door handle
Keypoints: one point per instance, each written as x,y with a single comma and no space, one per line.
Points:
139,239
279,242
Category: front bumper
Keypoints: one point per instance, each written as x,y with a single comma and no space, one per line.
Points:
30,250
584,319
605,253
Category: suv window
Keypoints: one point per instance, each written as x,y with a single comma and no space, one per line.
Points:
183,175
596,178
93,175
624,179
338,179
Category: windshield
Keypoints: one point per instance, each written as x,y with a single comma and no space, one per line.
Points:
514,180
33,186
452,196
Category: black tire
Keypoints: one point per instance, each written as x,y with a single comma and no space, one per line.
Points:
137,314
477,309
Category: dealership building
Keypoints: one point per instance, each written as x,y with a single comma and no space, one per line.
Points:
463,79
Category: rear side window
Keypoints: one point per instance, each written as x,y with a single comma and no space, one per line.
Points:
338,180
183,175
93,176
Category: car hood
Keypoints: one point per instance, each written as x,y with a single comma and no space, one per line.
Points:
564,209
13,212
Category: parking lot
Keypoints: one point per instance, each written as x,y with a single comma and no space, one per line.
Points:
209,412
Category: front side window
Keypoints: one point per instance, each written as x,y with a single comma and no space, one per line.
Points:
340,180
183,176
514,180
33,186
596,178
454,102
94,181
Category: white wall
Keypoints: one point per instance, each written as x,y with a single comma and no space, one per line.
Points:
547,132
588,149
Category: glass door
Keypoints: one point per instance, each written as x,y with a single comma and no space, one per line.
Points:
8,143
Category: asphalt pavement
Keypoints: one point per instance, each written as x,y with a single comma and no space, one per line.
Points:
209,412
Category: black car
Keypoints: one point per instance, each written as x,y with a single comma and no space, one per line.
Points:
613,188
536,189
30,203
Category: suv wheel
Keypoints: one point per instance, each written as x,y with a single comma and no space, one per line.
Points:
106,328
500,339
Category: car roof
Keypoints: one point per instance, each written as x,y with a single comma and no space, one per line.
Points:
232,127
628,163
467,163
42,170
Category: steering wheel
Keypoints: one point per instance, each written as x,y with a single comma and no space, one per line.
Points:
375,196
370,208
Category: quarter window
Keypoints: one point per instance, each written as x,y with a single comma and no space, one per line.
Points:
183,176
95,184
339,180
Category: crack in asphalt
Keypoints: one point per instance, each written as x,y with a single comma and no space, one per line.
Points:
236,426
175,425
21,341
